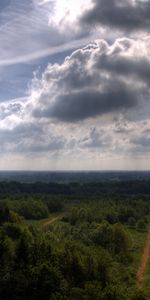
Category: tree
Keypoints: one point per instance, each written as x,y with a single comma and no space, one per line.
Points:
121,240
141,225
132,222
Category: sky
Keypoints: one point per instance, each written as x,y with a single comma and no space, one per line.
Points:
74,85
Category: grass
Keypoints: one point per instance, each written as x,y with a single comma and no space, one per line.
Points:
42,222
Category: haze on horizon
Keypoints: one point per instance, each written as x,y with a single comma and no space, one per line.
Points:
74,85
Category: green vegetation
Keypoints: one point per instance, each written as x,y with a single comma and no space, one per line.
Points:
66,247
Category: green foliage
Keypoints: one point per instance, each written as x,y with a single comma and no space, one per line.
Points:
30,209
103,235
54,205
87,255
132,222
121,240
139,295
4,213
141,225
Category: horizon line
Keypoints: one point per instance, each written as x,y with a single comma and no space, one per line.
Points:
73,170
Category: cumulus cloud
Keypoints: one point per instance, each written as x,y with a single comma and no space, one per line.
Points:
123,15
85,104
94,104
97,80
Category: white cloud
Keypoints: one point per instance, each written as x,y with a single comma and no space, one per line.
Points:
94,81
39,29
68,11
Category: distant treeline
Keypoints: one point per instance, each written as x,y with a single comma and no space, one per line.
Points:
73,176
123,188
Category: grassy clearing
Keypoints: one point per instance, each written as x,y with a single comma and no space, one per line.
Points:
43,222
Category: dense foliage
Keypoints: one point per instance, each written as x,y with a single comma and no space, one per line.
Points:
78,189
87,255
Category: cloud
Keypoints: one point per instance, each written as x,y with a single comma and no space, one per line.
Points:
26,24
97,80
28,138
123,15
34,28
92,106
76,107
122,127
97,139
142,141
10,109
37,54
90,111
129,66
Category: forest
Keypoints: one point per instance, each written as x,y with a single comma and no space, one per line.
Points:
74,241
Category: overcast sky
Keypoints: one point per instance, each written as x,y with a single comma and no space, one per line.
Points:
74,84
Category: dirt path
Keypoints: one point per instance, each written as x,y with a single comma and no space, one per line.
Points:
51,221
144,262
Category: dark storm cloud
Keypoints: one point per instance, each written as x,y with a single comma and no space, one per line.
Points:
124,15
86,104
